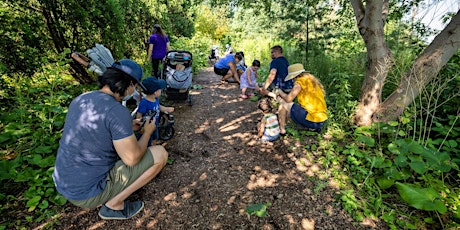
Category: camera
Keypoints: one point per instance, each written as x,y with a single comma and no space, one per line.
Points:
148,116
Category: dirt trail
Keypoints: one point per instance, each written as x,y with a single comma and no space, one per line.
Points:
219,169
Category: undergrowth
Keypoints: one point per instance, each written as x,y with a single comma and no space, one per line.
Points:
404,172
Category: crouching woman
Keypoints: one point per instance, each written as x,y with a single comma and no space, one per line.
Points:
310,111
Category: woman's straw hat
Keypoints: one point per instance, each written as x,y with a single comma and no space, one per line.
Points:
294,70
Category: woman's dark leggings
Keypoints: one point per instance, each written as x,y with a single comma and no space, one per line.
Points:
155,66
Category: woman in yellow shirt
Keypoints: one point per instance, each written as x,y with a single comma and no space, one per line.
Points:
310,111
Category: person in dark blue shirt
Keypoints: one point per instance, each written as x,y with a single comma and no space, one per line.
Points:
278,72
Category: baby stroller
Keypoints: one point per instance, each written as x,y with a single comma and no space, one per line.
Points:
177,72
100,58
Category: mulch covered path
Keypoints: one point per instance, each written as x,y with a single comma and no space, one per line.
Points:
218,169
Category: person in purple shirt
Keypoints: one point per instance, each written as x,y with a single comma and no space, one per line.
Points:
158,47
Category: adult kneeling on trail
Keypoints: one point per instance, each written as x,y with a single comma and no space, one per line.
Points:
99,160
310,111
226,67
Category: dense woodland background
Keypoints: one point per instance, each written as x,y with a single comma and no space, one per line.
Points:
392,96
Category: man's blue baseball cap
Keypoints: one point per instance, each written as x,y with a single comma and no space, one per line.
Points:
131,68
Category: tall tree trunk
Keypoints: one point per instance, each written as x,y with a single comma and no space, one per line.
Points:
371,21
424,69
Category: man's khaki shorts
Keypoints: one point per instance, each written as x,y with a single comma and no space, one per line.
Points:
119,177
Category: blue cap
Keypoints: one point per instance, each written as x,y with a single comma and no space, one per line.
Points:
131,68
152,84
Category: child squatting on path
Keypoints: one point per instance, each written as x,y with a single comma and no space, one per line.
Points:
150,104
268,128
248,80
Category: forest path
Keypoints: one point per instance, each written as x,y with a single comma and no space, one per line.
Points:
218,169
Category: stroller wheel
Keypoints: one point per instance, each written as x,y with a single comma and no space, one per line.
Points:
166,133
189,100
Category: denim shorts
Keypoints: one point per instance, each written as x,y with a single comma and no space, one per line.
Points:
299,114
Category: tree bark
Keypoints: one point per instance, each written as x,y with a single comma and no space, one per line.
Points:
371,21
422,71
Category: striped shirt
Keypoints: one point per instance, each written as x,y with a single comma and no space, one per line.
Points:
272,127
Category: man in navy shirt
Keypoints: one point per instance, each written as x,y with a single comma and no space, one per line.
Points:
278,71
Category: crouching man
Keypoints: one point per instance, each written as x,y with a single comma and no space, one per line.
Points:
99,160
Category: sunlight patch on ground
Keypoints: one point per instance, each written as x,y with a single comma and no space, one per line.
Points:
334,184
158,216
187,195
97,225
290,219
308,224
262,179
202,127
203,176
293,176
170,197
231,200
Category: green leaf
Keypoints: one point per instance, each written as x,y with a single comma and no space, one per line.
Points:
254,98
400,161
385,183
32,203
44,204
43,149
437,160
421,198
393,123
59,200
415,147
380,162
452,143
405,120
369,141
418,166
259,210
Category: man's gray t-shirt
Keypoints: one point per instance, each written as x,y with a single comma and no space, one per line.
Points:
86,152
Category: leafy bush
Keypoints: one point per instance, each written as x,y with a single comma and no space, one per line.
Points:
32,129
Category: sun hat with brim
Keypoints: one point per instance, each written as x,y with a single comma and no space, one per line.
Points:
131,68
152,84
294,70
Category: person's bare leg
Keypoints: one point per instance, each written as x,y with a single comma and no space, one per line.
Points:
237,79
283,112
160,157
227,76
282,118
243,91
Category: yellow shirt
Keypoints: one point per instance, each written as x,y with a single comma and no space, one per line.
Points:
311,98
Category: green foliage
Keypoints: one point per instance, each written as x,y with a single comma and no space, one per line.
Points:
421,198
259,210
32,132
211,22
380,169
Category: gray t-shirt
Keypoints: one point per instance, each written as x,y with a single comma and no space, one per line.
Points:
86,152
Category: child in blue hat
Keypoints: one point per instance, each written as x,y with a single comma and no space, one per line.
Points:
150,107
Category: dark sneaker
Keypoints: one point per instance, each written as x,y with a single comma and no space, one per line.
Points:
130,209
